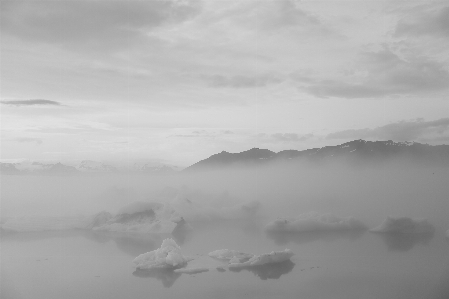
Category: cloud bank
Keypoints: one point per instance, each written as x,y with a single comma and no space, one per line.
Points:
33,102
401,131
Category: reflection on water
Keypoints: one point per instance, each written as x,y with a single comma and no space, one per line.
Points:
136,246
131,244
35,236
166,276
282,238
269,271
442,287
182,232
405,242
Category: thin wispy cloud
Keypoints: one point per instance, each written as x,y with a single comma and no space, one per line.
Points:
104,25
33,102
430,22
240,81
413,130
283,137
384,73
38,141
290,137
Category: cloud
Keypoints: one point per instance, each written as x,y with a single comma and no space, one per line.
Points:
290,137
383,73
414,130
283,137
97,24
38,141
425,23
32,102
285,13
240,81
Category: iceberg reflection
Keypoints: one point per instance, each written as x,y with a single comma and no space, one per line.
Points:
405,242
268,271
282,238
166,276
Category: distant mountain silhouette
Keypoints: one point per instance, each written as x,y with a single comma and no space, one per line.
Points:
357,151
86,167
8,168
60,168
153,169
95,167
37,168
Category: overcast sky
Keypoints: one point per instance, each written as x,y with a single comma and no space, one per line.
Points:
178,81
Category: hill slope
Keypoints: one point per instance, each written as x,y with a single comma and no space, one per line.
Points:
357,151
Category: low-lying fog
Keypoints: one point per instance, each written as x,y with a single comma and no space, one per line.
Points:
369,193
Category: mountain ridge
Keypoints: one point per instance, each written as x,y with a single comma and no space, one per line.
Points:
352,151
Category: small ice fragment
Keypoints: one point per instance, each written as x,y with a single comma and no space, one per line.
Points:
191,270
447,234
167,256
233,256
313,221
404,225
266,258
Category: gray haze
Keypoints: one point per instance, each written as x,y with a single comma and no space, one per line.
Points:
369,193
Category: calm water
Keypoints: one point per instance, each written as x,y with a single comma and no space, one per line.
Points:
81,264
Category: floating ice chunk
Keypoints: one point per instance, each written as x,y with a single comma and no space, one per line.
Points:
139,217
239,259
447,234
231,255
167,256
264,259
313,221
99,219
196,211
191,270
404,225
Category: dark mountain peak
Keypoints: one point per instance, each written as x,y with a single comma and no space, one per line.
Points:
356,151
8,168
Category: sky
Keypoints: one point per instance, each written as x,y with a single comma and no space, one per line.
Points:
176,81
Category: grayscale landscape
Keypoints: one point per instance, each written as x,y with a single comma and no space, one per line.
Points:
224,149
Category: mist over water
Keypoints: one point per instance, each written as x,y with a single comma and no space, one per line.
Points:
327,264
369,193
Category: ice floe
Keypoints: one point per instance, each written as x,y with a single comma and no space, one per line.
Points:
313,221
167,256
263,259
228,255
447,234
404,225
191,270
138,217
238,259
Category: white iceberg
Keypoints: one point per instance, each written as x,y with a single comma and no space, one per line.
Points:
167,256
313,221
139,217
264,259
239,259
404,225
